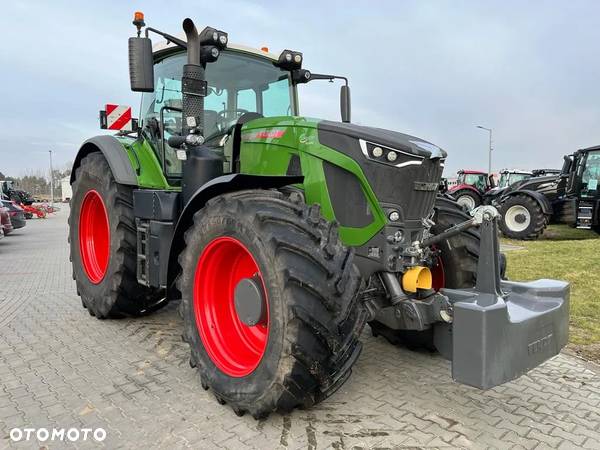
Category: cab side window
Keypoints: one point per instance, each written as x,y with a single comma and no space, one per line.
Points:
276,99
164,103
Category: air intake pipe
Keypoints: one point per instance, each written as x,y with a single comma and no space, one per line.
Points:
201,164
193,84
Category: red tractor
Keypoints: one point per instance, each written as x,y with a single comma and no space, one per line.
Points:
470,187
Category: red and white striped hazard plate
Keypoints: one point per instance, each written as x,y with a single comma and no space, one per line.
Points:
118,117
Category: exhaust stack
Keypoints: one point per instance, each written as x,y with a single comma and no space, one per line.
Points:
193,83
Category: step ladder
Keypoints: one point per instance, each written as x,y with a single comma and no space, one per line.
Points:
584,215
143,234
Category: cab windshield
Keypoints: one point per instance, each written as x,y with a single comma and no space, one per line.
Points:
237,84
506,179
473,179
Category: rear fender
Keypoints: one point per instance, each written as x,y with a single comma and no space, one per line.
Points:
115,154
218,186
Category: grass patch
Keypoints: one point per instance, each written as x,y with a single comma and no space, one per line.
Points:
566,254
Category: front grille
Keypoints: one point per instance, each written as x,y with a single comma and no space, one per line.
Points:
404,188
408,187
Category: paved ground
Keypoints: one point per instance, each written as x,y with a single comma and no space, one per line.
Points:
61,368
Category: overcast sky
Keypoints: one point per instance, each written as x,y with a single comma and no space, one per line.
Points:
434,69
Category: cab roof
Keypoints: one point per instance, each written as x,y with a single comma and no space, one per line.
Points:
589,149
519,171
472,172
163,47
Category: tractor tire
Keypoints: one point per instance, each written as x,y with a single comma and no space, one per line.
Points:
456,268
103,246
522,218
303,338
467,199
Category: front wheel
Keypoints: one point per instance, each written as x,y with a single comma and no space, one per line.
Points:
269,302
522,218
467,199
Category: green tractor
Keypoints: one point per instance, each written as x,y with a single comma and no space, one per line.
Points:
282,236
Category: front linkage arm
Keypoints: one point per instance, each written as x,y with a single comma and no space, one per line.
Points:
421,313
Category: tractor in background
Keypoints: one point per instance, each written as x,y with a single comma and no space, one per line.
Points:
282,236
21,198
470,188
507,178
571,197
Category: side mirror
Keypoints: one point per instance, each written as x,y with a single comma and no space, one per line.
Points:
345,103
141,69
300,76
566,168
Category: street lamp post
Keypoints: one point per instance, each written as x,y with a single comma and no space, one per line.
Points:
489,130
51,181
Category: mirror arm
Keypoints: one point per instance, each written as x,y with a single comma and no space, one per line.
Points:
168,37
319,76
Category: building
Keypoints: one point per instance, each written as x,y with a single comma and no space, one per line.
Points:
65,188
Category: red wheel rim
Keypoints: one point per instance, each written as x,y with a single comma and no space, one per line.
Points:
94,236
234,347
438,277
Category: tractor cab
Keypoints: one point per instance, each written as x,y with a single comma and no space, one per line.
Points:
583,169
261,89
479,180
585,173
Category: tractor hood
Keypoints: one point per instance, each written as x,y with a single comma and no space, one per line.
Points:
393,139
534,183
495,191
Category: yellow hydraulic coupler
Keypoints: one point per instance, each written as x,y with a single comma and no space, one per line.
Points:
418,277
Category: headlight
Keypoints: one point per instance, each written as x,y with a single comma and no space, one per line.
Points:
397,157
290,60
210,36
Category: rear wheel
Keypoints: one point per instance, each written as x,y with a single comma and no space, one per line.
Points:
102,237
522,218
467,199
269,302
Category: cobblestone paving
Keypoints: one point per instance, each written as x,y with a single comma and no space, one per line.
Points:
61,368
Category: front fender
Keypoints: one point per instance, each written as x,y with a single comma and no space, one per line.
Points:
461,187
538,197
115,154
217,186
